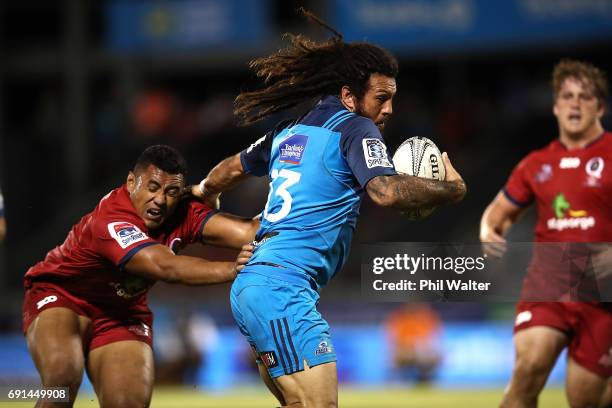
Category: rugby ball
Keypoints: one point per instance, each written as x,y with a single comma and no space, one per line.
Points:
418,156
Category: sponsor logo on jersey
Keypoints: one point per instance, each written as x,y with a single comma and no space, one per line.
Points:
523,317
292,149
594,167
125,233
268,358
569,162
140,329
375,153
46,301
323,348
567,218
545,173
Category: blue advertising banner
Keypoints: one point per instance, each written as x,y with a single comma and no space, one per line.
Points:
423,25
178,25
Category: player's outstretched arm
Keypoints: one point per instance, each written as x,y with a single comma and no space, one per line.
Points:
158,262
495,223
229,231
404,192
224,176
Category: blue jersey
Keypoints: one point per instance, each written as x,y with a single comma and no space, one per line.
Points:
319,166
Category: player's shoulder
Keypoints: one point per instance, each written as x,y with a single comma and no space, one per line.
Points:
606,140
282,125
359,125
116,201
188,210
114,208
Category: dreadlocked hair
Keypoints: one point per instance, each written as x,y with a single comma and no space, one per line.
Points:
307,69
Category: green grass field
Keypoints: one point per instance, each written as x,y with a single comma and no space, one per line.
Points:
349,398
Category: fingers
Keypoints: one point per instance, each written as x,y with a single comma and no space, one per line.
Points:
451,173
494,249
243,257
493,245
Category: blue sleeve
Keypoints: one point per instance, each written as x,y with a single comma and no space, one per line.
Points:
365,151
256,158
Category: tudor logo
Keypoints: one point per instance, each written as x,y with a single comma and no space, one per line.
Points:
569,163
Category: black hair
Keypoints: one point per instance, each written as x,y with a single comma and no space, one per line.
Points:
163,157
307,69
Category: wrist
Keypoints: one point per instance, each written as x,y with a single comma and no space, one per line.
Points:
203,189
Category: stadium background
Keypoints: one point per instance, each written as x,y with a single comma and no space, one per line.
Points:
85,86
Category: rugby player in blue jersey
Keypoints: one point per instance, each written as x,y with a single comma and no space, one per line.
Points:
320,165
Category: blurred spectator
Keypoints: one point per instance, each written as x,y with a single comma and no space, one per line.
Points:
181,347
413,331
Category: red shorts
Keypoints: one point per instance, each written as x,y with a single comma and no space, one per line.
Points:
588,326
107,326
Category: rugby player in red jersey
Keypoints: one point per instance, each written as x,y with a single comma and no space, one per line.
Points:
570,181
85,305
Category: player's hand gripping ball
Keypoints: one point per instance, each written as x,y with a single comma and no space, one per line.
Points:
418,156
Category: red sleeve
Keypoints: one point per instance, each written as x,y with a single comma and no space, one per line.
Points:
517,189
118,240
198,215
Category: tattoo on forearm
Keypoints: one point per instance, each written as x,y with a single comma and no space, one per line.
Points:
414,192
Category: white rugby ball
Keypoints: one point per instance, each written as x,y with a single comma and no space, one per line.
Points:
418,156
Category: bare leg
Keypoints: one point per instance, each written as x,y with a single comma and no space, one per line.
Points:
584,388
122,374
55,341
315,387
537,349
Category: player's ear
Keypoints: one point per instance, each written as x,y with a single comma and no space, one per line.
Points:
348,99
555,110
131,182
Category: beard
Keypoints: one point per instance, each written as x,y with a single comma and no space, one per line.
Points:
360,110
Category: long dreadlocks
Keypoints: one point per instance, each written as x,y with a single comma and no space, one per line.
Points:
307,69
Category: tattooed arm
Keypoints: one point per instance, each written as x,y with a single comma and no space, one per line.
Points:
406,192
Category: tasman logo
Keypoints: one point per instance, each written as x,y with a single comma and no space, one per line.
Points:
567,218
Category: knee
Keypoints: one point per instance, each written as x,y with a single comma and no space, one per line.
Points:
530,369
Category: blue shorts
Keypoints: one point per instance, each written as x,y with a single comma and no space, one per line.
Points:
281,323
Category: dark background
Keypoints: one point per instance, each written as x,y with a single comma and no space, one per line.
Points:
74,116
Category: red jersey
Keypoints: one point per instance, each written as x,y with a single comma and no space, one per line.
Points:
572,190
89,264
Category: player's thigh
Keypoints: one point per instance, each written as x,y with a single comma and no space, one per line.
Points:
315,387
584,388
122,373
537,349
265,376
606,399
56,340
